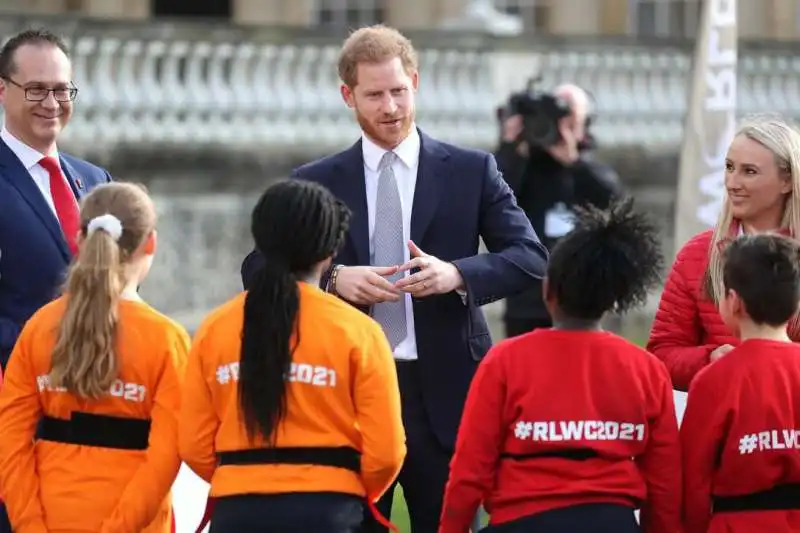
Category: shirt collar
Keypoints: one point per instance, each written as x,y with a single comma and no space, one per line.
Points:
407,151
27,155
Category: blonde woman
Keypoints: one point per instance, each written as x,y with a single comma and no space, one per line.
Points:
98,371
762,182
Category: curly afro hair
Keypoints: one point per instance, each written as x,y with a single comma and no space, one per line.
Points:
611,260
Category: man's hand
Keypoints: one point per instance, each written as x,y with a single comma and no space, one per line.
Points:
566,150
719,351
512,129
366,285
434,277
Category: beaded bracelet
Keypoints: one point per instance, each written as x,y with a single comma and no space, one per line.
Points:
334,276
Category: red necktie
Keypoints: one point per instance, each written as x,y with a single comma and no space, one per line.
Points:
65,203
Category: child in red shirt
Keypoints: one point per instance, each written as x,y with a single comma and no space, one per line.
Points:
741,427
573,428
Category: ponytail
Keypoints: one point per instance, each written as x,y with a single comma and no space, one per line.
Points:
84,359
270,320
296,225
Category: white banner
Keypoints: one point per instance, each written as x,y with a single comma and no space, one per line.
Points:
710,121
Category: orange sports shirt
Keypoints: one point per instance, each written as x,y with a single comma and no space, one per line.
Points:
53,486
342,391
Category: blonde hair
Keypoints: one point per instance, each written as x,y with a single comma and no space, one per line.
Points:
374,44
84,359
783,140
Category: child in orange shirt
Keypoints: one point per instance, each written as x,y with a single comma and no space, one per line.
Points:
741,427
5,527
291,404
570,429
98,371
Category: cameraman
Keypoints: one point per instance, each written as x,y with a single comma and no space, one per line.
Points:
549,181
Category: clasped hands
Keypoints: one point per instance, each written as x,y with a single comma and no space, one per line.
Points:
367,285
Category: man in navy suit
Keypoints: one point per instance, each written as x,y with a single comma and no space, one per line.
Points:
411,258
39,187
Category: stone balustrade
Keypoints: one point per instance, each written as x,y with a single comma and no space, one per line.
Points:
156,84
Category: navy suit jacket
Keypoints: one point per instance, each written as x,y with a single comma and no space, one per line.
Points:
33,251
460,196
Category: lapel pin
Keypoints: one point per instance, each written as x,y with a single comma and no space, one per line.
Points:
78,183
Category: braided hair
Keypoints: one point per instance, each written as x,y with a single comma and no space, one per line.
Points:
609,261
296,225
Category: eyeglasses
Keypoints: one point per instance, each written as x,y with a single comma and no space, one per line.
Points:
37,94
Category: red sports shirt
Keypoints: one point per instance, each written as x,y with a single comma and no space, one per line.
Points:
741,434
554,390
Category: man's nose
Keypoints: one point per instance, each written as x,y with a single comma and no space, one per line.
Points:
390,106
49,101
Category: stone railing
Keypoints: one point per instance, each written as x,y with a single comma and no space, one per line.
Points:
274,90
182,91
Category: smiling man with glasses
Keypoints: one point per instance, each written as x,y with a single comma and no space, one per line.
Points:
38,93
39,187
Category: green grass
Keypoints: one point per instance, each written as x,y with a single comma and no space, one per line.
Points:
400,512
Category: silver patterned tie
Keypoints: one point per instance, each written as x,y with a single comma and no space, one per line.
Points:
388,248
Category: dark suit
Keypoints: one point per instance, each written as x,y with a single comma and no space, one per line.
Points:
459,197
33,252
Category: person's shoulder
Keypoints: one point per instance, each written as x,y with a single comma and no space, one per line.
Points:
83,165
454,151
472,167
694,253
591,167
697,246
159,319
47,316
712,378
726,373
224,317
159,327
318,169
508,347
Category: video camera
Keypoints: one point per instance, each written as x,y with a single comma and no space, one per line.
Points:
541,112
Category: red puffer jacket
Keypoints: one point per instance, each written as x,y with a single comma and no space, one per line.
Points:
687,326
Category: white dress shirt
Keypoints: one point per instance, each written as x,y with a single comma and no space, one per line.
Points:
405,169
30,158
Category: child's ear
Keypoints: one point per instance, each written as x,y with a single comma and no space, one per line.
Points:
736,303
150,244
549,299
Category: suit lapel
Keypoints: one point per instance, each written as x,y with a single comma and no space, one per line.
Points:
428,190
19,177
350,186
75,180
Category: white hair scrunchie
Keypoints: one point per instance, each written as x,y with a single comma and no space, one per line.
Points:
108,223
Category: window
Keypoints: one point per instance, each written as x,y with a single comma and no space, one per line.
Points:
73,6
349,14
535,14
665,18
222,9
